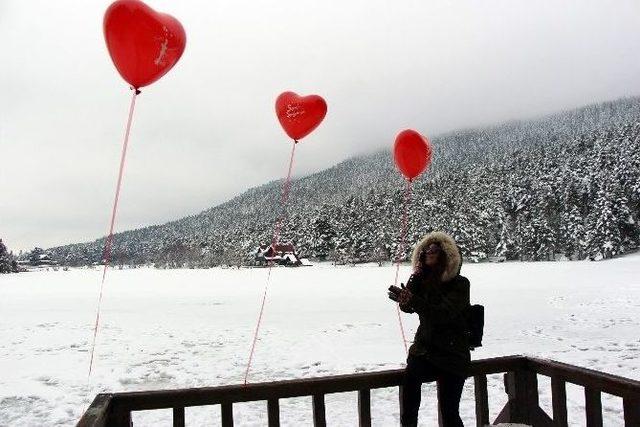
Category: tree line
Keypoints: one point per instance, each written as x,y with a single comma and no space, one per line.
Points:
563,186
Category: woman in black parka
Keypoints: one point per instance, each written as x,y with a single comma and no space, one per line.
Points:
440,351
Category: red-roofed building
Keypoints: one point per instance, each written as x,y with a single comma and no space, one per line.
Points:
280,254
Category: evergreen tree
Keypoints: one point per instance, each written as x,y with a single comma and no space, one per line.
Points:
603,234
6,259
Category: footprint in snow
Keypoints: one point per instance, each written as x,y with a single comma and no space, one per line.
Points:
48,380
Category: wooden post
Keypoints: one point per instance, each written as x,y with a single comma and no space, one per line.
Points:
97,414
559,401
522,388
440,421
227,414
400,393
178,417
273,412
121,418
593,407
631,411
364,408
319,416
482,400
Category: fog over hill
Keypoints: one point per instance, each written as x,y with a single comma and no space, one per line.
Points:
567,184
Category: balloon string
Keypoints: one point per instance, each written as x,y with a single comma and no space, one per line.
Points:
285,196
106,255
274,241
400,255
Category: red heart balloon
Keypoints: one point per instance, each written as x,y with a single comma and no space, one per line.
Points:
412,153
144,44
300,115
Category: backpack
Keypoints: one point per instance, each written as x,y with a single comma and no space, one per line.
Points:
475,322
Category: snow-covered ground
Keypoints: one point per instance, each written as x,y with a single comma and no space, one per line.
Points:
190,328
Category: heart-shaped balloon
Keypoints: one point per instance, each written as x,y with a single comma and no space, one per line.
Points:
144,44
412,153
300,115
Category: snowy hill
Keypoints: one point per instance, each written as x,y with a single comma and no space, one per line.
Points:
565,185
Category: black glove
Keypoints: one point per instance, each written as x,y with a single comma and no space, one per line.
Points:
394,292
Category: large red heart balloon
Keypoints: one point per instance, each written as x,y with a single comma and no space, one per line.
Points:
300,115
412,153
144,44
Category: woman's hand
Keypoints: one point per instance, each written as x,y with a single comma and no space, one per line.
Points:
401,294
394,293
405,296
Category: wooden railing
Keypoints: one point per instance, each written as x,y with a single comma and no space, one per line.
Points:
520,379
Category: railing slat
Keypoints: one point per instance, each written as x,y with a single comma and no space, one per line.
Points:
227,414
631,411
593,407
482,400
319,416
439,393
364,408
559,401
178,417
120,418
273,412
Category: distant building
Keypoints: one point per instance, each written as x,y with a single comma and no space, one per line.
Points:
39,258
279,254
45,260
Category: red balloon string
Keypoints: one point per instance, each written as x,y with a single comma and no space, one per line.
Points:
285,196
401,250
274,241
109,240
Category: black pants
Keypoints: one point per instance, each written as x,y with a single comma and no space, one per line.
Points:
420,370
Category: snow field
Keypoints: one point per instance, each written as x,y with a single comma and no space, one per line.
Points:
193,328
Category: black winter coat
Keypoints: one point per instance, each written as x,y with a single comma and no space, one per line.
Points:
442,336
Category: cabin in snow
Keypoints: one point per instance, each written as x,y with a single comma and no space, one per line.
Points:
280,254
38,257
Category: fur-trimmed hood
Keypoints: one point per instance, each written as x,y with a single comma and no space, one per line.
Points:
448,245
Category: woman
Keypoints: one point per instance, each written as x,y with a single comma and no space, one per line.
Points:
440,351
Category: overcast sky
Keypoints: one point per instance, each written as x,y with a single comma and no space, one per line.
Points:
207,130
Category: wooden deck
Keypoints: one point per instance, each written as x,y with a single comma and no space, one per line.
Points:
520,379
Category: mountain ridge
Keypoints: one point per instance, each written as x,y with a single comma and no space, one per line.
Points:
226,232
